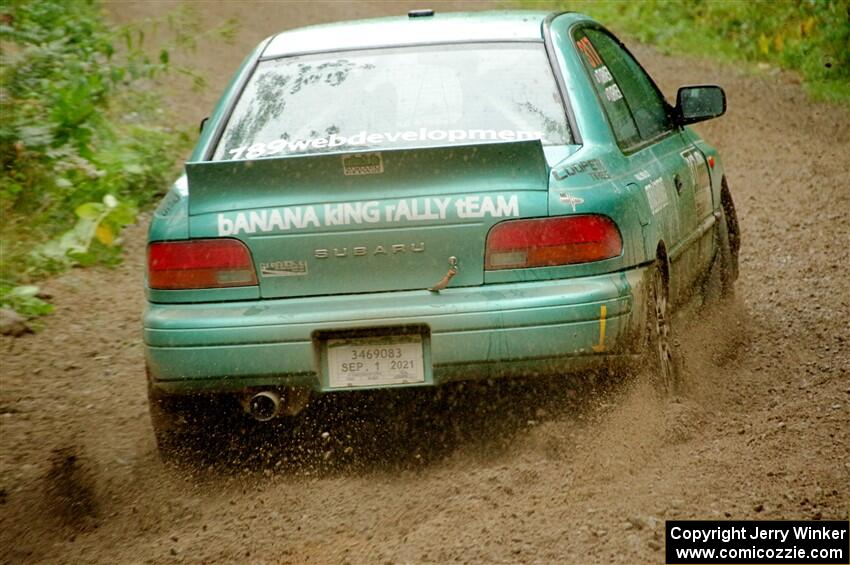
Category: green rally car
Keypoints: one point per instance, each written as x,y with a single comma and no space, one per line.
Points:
408,201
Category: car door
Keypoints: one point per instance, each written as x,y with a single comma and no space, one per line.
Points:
662,158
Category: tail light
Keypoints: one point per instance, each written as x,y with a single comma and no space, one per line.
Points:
518,244
200,263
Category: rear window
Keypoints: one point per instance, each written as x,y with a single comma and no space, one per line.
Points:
395,98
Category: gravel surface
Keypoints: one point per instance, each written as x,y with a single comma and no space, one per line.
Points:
536,471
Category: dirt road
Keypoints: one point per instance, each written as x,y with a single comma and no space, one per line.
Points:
526,472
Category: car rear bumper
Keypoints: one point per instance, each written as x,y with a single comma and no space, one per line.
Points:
494,330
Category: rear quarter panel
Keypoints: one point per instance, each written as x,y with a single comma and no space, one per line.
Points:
598,178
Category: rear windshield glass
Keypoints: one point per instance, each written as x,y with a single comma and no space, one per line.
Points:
395,98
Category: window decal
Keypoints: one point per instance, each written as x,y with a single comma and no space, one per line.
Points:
612,93
602,75
586,47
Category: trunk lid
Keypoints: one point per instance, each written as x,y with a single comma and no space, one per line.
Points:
368,222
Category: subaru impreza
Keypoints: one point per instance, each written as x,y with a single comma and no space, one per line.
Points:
409,201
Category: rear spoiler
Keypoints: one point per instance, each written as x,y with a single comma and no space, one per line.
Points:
222,186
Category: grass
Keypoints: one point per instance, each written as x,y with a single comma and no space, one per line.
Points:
810,37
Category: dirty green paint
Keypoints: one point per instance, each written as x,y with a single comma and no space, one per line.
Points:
497,323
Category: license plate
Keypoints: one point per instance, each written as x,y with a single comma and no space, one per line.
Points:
364,362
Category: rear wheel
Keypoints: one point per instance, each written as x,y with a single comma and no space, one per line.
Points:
170,426
663,360
184,425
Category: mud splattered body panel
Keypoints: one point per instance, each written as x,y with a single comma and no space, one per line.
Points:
349,223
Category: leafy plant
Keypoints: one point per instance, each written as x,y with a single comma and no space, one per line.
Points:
63,86
24,299
84,141
93,239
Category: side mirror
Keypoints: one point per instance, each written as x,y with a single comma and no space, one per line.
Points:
699,103
203,123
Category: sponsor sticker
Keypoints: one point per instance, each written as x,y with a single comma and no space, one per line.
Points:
612,93
593,167
589,51
602,75
283,268
570,200
405,210
366,139
656,193
698,169
362,164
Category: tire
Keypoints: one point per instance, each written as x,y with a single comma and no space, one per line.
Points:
170,427
662,359
183,425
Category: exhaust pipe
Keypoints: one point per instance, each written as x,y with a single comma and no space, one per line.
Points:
269,404
264,405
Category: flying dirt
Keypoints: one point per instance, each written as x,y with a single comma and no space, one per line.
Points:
533,471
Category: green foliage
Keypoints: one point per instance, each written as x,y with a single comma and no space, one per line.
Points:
62,83
24,299
82,137
94,238
808,36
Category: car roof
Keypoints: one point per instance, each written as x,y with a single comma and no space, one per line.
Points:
452,27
